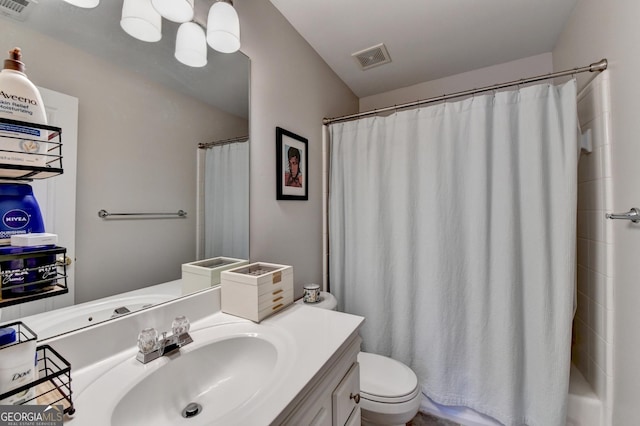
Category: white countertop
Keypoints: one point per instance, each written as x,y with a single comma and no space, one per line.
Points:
313,336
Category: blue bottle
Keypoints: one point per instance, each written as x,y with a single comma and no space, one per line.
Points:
19,211
20,214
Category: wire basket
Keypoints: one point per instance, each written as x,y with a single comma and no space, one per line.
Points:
53,385
44,275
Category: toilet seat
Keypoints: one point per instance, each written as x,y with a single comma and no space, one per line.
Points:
386,380
385,400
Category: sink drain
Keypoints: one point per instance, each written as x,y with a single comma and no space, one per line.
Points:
191,410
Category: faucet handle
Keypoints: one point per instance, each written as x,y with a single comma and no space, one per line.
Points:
147,340
180,325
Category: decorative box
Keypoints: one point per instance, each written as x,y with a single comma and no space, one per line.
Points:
257,290
205,273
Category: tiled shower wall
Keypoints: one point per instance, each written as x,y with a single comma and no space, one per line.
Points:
592,350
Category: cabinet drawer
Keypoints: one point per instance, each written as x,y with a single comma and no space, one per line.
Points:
269,287
274,297
346,396
271,307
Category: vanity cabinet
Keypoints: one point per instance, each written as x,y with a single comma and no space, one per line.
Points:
346,396
331,398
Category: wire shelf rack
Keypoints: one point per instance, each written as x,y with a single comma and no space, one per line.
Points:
53,383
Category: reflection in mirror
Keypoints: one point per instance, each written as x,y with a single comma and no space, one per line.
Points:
223,194
141,117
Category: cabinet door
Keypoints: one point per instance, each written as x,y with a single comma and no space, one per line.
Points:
317,413
346,396
355,419
58,194
322,415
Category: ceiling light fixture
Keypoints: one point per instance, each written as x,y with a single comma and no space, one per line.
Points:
175,10
141,20
87,4
191,45
223,27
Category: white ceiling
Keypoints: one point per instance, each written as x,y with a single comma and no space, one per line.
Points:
426,39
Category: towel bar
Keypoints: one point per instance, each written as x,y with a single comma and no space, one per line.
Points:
105,214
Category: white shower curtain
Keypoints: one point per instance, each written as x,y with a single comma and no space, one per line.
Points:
226,201
452,230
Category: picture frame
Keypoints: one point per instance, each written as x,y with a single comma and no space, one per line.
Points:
292,162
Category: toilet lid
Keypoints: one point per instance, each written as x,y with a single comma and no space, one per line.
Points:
384,377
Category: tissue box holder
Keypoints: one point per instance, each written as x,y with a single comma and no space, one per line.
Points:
205,273
257,290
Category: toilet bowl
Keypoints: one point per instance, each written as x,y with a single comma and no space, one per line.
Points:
389,391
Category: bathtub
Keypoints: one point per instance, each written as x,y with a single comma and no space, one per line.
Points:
53,323
584,408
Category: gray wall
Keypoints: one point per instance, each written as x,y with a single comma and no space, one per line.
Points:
596,30
291,87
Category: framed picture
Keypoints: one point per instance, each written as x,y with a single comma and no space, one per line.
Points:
292,161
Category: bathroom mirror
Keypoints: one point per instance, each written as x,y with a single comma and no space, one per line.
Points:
141,117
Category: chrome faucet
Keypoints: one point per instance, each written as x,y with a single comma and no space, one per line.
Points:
150,347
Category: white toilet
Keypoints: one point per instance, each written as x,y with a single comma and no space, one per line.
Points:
389,392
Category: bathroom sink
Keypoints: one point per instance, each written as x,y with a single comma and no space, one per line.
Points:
217,379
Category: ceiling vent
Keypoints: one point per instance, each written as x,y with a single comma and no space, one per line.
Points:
372,56
17,9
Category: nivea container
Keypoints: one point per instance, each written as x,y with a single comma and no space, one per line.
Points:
19,211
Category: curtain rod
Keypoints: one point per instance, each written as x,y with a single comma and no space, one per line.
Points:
595,67
206,145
